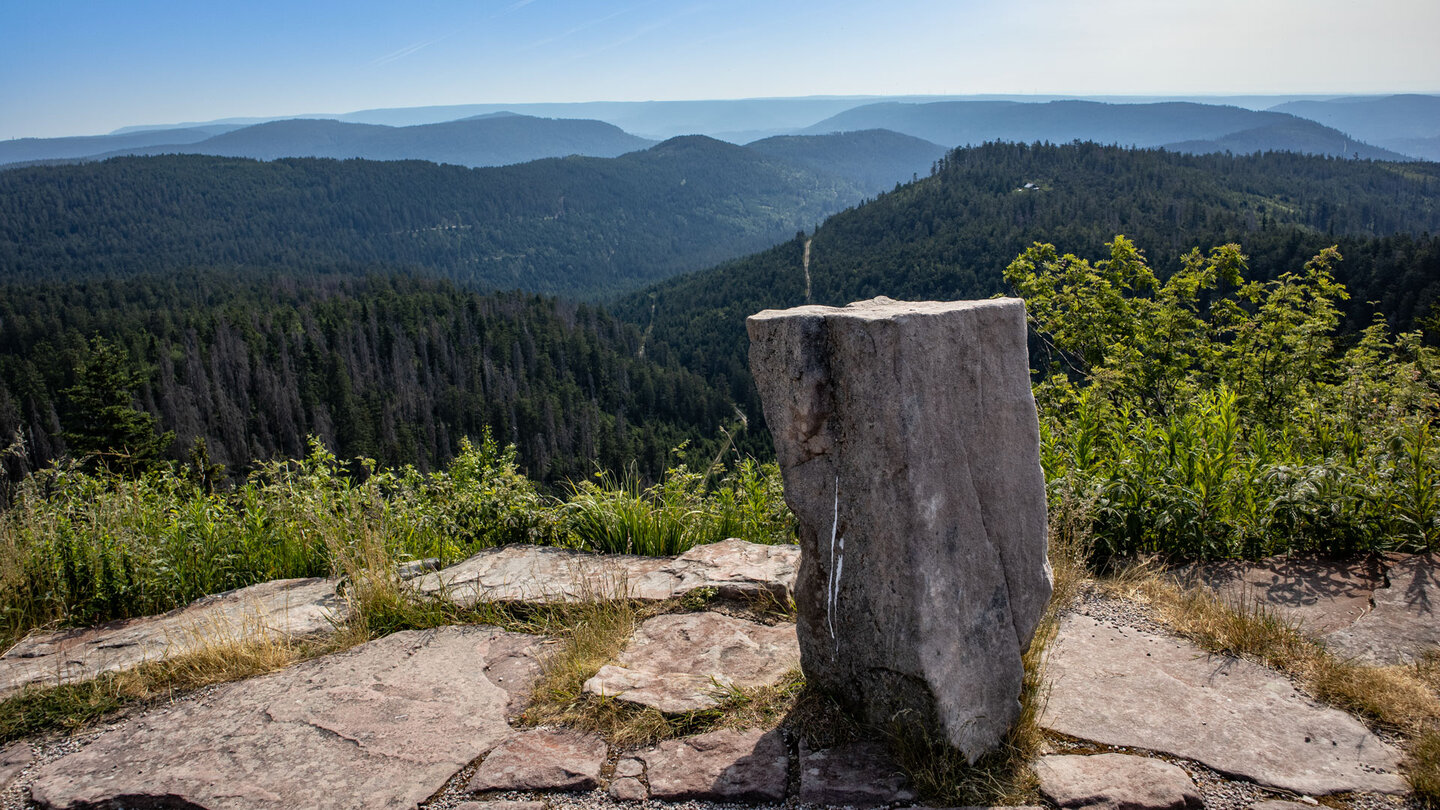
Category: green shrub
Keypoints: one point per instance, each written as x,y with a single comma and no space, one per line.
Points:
1210,416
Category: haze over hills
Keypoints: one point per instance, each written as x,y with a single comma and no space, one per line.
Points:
1409,124
497,139
1182,126
876,158
736,120
496,134
21,150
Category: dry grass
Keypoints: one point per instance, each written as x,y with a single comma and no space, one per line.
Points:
226,656
592,634
1404,700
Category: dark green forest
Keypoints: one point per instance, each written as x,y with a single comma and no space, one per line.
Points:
951,235
578,227
396,359
389,367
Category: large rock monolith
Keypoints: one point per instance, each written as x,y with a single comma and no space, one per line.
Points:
908,440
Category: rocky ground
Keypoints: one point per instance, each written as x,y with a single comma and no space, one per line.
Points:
1138,718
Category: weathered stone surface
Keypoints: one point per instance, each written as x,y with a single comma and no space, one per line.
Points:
1126,687
1116,782
1405,621
722,765
1281,804
858,774
629,766
14,758
542,759
628,789
682,662
542,574
293,607
1322,595
909,444
389,721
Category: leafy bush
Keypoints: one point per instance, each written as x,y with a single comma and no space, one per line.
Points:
1210,416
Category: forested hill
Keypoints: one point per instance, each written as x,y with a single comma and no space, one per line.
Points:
582,227
951,235
387,367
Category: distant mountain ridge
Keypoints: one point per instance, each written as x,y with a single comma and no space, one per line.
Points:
875,158
1180,126
1389,128
23,150
486,140
1409,124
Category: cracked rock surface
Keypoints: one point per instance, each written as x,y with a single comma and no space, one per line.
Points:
546,574
377,722
1127,687
684,662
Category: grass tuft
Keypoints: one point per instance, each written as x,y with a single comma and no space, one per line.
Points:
218,658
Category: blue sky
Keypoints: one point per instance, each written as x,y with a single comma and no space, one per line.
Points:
69,67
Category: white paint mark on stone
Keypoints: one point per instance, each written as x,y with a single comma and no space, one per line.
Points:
837,563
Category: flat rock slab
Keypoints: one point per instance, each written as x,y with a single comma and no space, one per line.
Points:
384,725
1405,622
683,662
14,758
722,766
1322,595
293,607
1125,687
544,574
1116,782
543,759
858,774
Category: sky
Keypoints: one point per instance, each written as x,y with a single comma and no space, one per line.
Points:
78,67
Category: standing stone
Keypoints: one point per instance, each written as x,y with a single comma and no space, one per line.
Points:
908,439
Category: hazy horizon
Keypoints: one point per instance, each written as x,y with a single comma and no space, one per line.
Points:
85,68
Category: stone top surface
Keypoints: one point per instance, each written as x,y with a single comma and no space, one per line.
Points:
881,308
